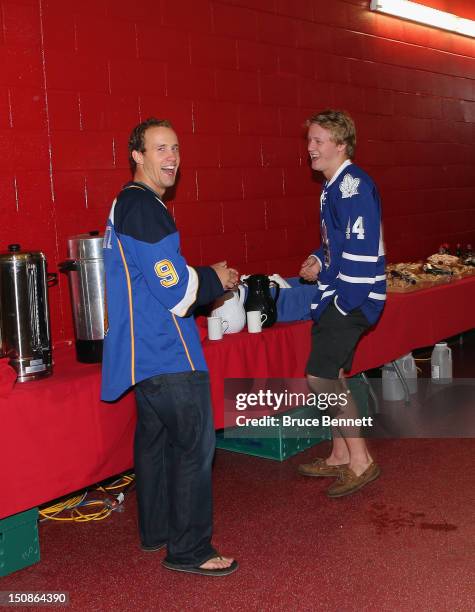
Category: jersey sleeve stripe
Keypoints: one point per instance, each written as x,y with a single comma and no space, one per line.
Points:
357,279
353,257
191,293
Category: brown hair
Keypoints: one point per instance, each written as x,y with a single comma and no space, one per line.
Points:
341,126
137,140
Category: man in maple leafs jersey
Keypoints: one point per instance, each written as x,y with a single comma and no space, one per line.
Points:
351,293
152,344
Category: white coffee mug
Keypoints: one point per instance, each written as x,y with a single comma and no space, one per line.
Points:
216,328
255,319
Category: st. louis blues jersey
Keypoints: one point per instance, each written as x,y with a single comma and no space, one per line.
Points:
150,294
351,254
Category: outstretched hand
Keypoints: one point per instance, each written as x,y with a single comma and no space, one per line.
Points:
229,277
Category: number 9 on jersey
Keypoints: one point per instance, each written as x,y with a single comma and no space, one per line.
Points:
166,272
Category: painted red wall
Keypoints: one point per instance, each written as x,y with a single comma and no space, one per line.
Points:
237,78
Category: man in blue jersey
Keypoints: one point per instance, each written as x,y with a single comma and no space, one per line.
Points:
350,269
152,344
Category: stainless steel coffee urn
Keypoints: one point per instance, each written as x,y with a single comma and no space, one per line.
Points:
85,269
24,315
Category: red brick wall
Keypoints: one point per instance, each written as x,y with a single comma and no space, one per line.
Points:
237,78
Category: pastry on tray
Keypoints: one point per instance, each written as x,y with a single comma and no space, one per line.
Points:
438,268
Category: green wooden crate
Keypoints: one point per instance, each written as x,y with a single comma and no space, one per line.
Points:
281,442
19,541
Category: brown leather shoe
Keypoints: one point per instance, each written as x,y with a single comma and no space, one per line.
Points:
319,467
348,482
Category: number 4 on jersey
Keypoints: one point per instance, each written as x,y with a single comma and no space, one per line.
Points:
358,229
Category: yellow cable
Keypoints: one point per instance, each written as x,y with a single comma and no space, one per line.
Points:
73,504
119,486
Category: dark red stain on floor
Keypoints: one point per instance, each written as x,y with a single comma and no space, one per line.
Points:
438,526
386,518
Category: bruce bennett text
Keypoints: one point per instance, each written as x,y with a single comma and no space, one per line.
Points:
289,421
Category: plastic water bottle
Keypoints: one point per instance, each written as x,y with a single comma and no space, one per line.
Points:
407,366
441,364
392,386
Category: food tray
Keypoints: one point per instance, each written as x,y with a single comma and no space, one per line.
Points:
438,280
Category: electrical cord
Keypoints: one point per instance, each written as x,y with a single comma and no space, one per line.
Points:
71,509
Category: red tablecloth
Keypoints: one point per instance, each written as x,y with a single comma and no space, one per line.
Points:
416,319
57,437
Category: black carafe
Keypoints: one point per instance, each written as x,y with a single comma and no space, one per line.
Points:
259,297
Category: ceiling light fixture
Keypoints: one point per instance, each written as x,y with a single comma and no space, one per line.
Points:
426,15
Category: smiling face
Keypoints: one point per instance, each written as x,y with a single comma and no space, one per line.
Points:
326,155
158,164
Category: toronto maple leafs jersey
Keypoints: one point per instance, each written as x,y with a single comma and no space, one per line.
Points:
351,254
150,294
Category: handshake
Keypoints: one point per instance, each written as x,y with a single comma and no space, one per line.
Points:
310,269
229,277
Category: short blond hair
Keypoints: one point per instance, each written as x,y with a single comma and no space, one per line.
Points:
341,126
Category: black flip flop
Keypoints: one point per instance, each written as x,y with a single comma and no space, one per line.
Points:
196,569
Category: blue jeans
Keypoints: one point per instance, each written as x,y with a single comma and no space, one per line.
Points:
173,451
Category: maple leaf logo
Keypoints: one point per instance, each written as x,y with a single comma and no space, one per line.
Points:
349,186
